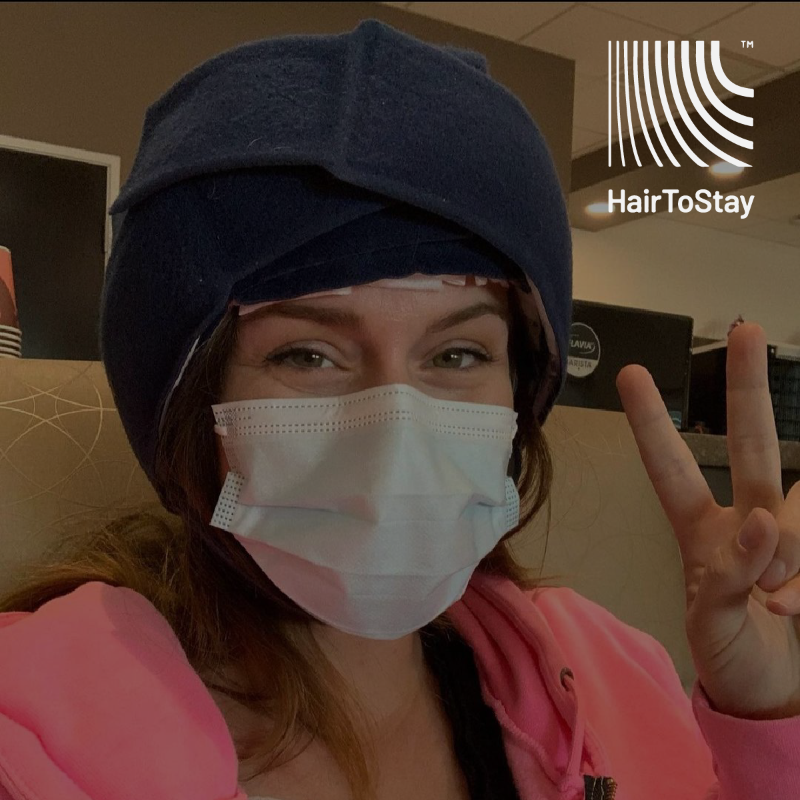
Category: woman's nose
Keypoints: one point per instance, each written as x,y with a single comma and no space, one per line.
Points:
386,369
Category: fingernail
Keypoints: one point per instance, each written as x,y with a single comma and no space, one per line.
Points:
778,570
788,597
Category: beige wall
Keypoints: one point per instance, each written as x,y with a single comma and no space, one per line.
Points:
709,275
608,535
82,74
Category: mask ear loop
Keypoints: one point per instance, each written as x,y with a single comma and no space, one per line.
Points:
515,462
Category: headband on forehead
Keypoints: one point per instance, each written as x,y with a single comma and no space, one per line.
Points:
418,282
302,164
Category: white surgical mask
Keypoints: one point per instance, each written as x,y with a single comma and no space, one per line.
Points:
370,510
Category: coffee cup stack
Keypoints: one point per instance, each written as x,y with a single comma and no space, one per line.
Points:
10,334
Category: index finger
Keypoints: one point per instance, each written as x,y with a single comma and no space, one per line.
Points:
671,467
753,448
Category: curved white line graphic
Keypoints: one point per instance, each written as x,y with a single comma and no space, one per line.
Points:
619,123
628,105
746,143
715,101
639,103
723,78
687,75
662,92
650,105
681,106
609,102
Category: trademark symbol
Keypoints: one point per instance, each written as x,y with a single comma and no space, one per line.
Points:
746,44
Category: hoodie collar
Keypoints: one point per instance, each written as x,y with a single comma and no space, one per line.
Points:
509,636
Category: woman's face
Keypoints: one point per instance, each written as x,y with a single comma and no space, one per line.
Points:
450,344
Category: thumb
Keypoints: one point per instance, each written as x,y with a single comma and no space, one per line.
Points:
756,544
726,585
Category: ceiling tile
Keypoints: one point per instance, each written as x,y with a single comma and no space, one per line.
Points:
771,231
583,34
682,18
504,20
760,80
584,140
772,27
738,71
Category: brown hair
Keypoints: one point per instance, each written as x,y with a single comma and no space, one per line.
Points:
229,617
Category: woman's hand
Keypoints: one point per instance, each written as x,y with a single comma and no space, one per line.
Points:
745,640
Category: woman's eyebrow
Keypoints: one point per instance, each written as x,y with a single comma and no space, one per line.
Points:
341,318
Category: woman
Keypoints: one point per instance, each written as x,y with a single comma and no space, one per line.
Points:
334,319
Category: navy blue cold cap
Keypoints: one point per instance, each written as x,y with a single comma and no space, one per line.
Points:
296,164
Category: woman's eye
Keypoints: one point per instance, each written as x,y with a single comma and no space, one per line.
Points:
454,358
300,358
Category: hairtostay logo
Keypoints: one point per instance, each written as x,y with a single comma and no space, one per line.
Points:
655,90
627,81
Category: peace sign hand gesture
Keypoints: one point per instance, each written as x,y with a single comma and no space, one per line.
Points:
745,641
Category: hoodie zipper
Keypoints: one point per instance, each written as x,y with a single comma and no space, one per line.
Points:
599,788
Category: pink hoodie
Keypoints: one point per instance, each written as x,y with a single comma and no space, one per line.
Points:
98,702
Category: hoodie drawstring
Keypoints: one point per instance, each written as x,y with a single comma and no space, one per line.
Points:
576,753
